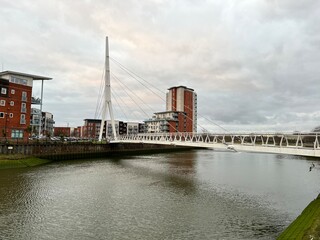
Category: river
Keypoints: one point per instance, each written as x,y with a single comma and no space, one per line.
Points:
199,194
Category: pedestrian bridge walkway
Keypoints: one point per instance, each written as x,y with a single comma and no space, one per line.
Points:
302,144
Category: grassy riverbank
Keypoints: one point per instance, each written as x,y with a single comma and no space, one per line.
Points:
19,161
307,225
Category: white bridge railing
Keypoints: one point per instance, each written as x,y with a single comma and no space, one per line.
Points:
305,144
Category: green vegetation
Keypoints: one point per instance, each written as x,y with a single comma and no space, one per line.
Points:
19,161
307,225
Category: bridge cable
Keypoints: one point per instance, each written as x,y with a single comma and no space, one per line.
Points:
137,96
116,100
124,104
134,75
100,97
124,89
207,120
147,115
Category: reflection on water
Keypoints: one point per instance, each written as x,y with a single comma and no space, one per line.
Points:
187,195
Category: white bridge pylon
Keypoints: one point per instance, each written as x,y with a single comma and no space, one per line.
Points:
107,105
302,144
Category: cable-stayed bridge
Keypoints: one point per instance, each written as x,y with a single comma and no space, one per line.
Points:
302,144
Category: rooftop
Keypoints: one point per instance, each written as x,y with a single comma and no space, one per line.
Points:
92,120
34,77
190,89
167,112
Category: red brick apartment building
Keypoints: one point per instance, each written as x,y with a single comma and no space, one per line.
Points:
15,103
180,114
183,100
62,131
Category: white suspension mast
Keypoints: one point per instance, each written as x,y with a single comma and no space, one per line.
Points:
107,98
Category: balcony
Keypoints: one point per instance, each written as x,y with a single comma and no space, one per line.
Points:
35,111
35,101
34,122
51,121
164,123
164,128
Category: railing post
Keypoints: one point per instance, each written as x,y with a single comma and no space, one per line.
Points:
299,140
267,142
215,139
281,141
316,142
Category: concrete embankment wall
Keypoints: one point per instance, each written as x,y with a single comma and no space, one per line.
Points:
60,151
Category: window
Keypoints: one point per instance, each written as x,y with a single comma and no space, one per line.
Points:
13,91
23,107
3,91
11,103
16,133
19,80
2,102
24,96
22,119
1,114
11,115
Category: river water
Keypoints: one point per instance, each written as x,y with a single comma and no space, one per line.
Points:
200,194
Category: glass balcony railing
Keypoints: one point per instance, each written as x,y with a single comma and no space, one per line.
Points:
164,124
164,128
35,111
35,122
35,100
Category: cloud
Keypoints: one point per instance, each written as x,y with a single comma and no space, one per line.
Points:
252,63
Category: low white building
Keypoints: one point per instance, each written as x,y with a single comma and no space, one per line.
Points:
161,122
132,127
47,122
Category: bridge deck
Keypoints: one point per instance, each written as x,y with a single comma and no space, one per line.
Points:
306,144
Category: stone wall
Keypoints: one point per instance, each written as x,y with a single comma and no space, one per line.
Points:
57,151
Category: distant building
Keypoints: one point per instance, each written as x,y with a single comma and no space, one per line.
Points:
180,114
120,126
62,131
15,104
77,132
47,124
183,99
162,122
134,128
35,120
91,128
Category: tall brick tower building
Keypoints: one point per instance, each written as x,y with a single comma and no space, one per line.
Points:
180,114
184,100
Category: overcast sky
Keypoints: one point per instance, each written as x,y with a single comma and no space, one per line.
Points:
253,63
